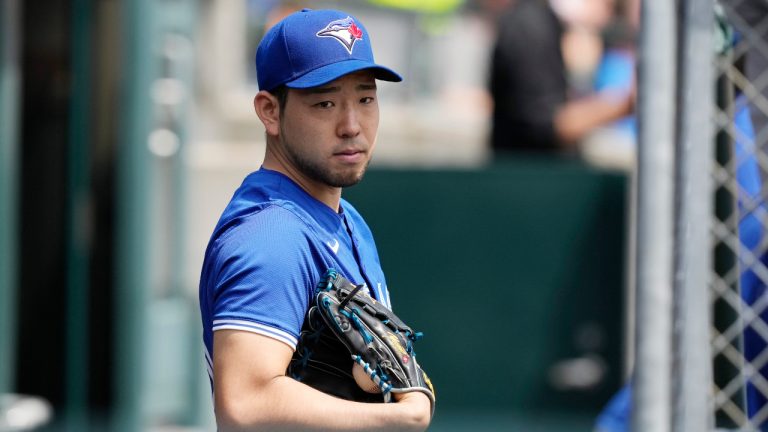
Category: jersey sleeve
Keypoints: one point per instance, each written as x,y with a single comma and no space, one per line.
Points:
264,276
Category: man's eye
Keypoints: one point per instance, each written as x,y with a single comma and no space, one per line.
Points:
366,100
324,104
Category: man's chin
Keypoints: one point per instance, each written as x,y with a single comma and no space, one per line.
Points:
347,179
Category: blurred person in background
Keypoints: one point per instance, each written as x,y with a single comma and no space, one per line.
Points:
543,51
287,224
615,144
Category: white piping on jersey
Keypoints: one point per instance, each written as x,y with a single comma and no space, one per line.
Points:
253,327
380,294
208,362
383,295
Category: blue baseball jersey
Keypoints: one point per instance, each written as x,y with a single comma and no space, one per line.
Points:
271,246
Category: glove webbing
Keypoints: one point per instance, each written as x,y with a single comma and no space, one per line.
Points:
349,297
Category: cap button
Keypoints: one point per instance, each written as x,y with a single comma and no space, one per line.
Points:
306,10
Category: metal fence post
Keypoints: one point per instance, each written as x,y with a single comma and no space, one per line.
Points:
651,388
692,376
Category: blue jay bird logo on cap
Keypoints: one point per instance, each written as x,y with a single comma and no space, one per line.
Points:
343,30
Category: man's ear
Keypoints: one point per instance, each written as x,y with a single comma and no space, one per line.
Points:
268,110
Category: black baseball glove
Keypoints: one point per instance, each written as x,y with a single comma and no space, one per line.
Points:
345,326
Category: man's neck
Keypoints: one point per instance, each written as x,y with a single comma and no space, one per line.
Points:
328,195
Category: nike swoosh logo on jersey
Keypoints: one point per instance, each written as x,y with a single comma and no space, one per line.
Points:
334,247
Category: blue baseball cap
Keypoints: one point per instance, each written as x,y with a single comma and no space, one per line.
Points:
310,48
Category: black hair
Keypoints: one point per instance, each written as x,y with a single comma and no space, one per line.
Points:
281,93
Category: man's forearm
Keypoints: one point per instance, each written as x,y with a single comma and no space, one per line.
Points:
575,119
284,404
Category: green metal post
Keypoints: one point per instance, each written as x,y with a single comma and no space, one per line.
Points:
174,391
9,120
182,18
78,175
132,208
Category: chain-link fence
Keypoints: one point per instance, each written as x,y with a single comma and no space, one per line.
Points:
739,298
680,389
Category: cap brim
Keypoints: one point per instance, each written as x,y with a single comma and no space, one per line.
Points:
325,74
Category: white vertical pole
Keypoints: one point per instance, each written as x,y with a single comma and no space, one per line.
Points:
692,374
656,81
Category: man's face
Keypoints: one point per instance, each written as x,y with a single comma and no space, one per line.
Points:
329,132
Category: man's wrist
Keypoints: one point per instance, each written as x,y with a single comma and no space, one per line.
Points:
417,409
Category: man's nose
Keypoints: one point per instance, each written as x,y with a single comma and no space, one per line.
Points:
349,123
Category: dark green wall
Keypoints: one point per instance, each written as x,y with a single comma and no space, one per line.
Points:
507,270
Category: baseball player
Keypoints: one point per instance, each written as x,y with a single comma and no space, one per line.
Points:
287,223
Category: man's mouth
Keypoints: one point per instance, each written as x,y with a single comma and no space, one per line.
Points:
350,155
